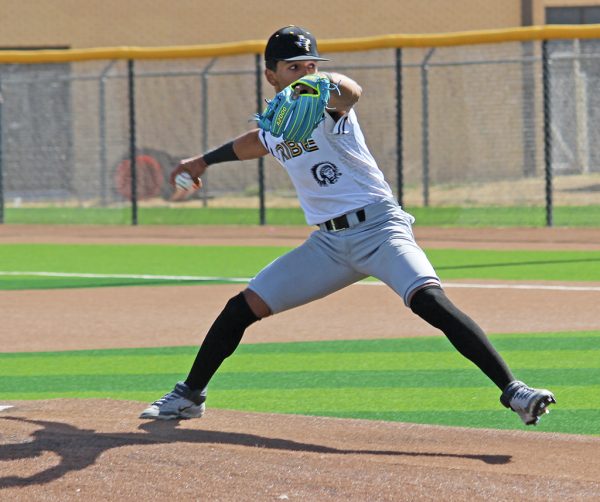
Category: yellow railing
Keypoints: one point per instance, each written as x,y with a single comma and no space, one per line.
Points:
547,32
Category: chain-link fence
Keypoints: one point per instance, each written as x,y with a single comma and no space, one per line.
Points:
465,130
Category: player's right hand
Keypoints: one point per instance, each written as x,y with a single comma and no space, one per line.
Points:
195,167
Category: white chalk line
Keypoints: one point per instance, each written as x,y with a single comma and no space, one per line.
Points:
2,408
200,278
149,277
547,287
465,285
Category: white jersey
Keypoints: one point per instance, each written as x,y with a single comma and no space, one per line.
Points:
333,171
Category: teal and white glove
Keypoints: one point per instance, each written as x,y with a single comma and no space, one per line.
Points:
295,112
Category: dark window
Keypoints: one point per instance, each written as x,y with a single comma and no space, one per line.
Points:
573,15
591,15
563,15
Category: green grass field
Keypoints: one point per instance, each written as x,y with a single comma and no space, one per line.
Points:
420,380
521,216
218,263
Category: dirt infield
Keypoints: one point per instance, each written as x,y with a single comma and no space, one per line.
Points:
73,319
98,449
480,238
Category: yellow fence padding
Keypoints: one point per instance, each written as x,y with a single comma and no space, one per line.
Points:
547,32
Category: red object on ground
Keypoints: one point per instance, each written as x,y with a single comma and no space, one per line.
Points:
149,177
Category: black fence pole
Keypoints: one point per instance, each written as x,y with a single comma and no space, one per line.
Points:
528,115
102,134
204,124
132,142
425,124
399,130
1,164
547,133
261,160
104,190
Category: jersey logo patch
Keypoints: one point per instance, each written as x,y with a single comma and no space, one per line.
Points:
325,173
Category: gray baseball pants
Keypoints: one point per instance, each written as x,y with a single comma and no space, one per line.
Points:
382,246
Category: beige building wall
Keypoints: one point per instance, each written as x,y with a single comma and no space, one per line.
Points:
101,23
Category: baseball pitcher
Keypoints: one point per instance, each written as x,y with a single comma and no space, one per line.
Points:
311,128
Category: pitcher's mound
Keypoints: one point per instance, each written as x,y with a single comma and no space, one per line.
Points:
98,449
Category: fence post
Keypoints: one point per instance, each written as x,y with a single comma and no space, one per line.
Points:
261,160
425,124
528,99
204,124
132,143
399,130
1,163
547,132
102,133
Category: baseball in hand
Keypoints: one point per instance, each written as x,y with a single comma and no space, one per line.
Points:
184,182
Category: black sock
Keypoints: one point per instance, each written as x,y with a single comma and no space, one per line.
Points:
432,305
221,341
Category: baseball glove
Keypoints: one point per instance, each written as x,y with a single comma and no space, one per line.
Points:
295,111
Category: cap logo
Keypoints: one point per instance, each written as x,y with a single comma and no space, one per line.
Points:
303,43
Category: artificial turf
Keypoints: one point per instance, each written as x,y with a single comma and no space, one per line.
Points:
515,216
212,264
420,380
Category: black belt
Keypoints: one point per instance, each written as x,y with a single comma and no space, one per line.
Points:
341,222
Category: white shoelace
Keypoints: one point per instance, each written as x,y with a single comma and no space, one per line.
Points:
167,397
523,395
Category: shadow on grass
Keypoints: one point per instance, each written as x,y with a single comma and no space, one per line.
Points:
517,264
80,448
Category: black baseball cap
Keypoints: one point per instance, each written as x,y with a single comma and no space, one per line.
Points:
292,43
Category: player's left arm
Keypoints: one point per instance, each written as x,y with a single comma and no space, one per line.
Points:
348,96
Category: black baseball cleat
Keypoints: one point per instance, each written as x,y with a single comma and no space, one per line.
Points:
530,404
